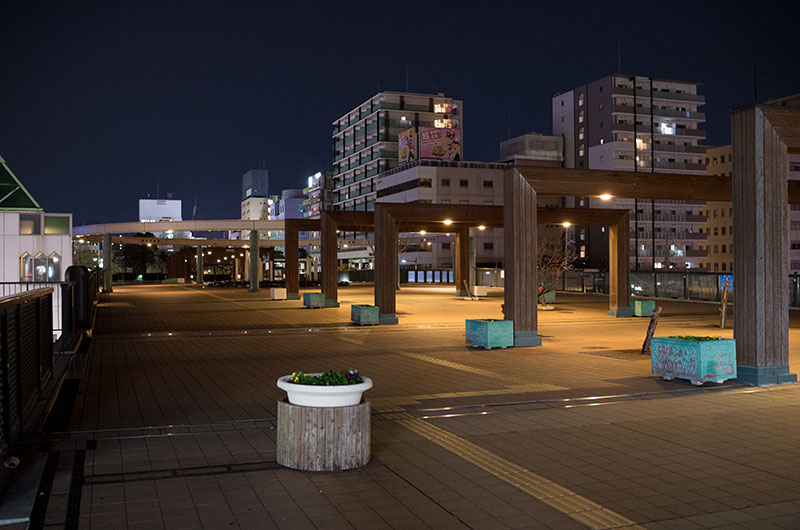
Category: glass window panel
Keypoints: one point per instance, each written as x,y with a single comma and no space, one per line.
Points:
54,268
40,268
26,268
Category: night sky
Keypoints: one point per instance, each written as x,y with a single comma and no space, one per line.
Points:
104,102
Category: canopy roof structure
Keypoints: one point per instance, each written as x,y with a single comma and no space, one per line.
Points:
13,195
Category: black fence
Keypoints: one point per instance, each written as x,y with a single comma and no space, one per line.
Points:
26,358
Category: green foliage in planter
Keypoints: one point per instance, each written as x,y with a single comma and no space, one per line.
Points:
329,378
694,338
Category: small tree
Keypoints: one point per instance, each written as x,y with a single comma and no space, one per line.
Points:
553,259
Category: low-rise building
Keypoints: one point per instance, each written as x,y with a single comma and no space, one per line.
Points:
36,246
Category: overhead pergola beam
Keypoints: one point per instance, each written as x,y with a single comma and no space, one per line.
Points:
629,185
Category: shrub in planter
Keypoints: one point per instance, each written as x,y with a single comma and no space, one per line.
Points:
325,389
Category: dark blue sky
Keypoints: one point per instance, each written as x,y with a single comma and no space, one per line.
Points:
103,100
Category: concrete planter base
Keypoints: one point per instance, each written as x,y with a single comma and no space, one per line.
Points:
388,319
365,315
765,375
489,333
479,290
697,361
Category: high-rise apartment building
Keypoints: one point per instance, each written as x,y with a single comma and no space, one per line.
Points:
365,140
318,194
718,227
643,124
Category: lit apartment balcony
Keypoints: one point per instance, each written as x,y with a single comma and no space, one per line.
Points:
670,218
658,113
679,166
673,236
672,96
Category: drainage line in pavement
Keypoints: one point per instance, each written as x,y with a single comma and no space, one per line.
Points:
165,473
434,501
171,426
570,400
75,488
43,492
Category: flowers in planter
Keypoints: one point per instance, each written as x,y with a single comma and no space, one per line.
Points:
694,338
329,378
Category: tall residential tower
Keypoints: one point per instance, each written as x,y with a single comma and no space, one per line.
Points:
643,124
365,140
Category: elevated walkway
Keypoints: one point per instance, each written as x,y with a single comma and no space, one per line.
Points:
174,419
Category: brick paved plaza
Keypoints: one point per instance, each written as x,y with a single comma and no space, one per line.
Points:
174,420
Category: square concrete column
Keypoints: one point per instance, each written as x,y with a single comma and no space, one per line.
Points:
292,256
107,264
385,265
619,285
519,261
255,261
462,262
760,236
199,266
330,260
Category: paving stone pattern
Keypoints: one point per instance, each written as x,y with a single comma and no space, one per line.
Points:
175,420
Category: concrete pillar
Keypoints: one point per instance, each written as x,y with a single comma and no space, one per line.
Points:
520,230
255,261
462,261
330,260
308,268
471,264
385,265
292,257
761,232
107,264
619,288
199,265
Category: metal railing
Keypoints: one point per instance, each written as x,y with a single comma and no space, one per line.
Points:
63,299
26,358
16,288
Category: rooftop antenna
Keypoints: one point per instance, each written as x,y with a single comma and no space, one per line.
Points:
755,82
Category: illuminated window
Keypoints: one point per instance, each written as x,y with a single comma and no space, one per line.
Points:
580,101
580,117
53,267
26,267
442,124
442,108
40,268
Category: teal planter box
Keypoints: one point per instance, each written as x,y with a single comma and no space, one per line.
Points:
644,308
550,296
490,333
697,361
313,300
365,315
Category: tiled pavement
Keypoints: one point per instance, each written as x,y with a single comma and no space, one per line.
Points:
174,421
